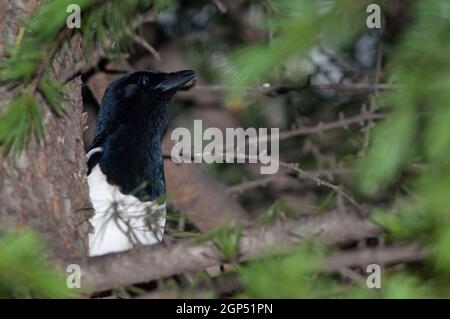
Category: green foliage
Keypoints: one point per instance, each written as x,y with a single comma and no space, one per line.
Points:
394,286
25,271
300,25
278,210
416,134
288,276
423,73
225,239
296,275
387,158
51,91
35,48
404,286
20,121
105,26
19,67
415,202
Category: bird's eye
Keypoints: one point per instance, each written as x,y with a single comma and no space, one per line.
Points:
144,81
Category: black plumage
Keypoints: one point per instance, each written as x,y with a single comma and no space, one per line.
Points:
130,124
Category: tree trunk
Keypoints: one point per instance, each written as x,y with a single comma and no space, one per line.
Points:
44,188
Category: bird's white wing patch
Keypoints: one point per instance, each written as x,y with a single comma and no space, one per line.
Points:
92,152
121,221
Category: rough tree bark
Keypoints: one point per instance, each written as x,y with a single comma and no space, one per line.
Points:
45,188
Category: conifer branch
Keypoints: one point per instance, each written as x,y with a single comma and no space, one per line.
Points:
161,261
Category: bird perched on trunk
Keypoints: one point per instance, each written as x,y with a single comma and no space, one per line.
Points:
125,162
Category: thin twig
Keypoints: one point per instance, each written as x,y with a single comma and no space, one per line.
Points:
274,90
319,181
220,6
343,122
378,64
140,40
247,157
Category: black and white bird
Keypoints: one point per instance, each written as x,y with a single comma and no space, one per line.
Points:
125,161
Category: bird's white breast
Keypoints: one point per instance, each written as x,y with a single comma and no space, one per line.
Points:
121,221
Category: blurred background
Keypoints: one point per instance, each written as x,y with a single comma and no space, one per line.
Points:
364,139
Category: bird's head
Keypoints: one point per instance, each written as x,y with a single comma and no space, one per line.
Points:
130,123
150,87
140,95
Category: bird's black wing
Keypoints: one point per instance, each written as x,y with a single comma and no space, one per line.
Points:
105,125
95,150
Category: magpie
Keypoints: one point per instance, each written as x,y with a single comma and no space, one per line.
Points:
125,161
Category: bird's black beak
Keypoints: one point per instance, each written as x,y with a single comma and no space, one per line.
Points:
176,80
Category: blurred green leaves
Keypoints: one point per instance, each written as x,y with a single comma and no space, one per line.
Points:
20,121
415,205
416,133
391,148
288,276
51,91
25,271
226,239
423,72
105,26
299,25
